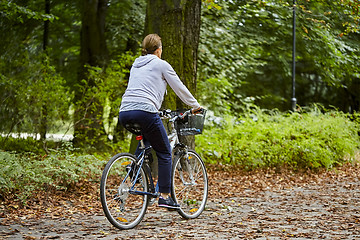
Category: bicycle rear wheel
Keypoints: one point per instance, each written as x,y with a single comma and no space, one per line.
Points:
123,209
190,185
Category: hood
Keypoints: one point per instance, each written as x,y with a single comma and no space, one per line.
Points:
143,60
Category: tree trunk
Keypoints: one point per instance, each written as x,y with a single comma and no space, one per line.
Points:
88,128
178,24
44,110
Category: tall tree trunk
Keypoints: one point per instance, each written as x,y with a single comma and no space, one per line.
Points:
178,24
88,128
44,111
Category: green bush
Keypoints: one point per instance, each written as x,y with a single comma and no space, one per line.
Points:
270,139
21,174
28,144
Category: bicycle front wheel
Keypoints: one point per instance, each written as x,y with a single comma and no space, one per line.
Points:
122,208
190,184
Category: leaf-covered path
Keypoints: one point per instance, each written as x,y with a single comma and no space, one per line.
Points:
257,205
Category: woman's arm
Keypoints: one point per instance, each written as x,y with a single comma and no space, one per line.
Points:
179,88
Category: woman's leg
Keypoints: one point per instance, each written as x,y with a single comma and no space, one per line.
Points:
154,132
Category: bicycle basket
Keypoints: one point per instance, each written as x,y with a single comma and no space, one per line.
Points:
191,125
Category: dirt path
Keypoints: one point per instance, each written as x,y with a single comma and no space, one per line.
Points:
260,205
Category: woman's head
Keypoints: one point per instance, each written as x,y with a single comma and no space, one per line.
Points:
151,43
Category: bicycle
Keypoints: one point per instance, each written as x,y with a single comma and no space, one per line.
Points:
127,186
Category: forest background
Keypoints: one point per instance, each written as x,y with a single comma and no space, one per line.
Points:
243,75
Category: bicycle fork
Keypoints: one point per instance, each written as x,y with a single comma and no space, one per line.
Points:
185,164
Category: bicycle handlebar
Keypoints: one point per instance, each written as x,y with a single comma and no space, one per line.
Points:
168,114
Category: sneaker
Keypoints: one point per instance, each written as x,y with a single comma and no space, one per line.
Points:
168,203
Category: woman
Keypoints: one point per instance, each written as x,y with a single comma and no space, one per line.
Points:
142,100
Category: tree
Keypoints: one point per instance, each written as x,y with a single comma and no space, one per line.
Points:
178,24
43,121
88,128
125,26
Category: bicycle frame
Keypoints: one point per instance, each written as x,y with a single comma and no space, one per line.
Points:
174,141
139,165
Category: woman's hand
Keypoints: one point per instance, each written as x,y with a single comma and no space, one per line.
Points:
197,110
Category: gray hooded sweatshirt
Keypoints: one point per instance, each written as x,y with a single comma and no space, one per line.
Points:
149,77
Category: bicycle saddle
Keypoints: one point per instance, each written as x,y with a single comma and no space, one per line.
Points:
134,128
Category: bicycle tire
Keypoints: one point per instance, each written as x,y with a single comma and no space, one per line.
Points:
123,209
190,184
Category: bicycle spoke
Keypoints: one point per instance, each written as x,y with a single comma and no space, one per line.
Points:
123,209
190,185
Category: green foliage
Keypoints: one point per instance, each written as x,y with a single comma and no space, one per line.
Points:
249,43
103,96
214,92
116,75
244,57
308,139
211,4
125,25
11,10
29,144
25,94
21,174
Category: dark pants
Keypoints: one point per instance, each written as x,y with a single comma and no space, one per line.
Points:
153,132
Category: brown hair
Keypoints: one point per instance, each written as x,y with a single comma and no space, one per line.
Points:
150,43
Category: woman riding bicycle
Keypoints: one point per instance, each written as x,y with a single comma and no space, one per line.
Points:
142,100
